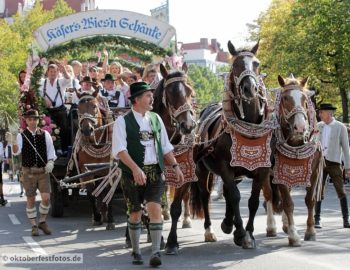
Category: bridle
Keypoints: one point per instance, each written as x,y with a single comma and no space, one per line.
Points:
91,118
298,109
238,95
174,113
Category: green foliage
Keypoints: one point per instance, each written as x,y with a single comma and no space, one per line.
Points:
308,38
208,87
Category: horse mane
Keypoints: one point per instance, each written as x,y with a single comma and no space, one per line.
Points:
232,58
293,82
158,93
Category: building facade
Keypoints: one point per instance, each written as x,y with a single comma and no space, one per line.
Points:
205,54
8,8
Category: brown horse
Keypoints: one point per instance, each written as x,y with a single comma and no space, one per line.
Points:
298,158
235,143
173,102
93,146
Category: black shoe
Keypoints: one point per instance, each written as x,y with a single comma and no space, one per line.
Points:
318,224
21,194
137,258
155,260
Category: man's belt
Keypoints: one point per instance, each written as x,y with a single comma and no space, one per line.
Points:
146,135
35,170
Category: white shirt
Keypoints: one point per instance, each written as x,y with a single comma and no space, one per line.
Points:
119,143
51,90
326,136
50,149
2,154
111,93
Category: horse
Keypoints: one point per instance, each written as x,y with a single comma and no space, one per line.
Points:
173,102
234,142
298,156
93,146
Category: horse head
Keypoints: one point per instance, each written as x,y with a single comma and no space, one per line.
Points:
173,101
296,111
246,90
89,113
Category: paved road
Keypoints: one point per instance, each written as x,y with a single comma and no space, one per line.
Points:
103,249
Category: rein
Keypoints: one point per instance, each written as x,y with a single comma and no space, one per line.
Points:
172,112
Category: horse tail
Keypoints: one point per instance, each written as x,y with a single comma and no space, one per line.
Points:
196,200
276,198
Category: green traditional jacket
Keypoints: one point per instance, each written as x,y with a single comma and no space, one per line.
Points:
135,149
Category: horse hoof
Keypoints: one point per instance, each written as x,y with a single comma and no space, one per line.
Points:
226,229
285,229
110,226
238,237
166,214
186,225
310,237
271,233
128,243
97,223
210,237
171,250
294,243
249,245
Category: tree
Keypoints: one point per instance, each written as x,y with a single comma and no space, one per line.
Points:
308,38
15,41
208,87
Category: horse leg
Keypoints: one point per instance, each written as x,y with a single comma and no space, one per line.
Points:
227,223
110,220
235,197
96,216
172,245
165,204
127,235
271,230
288,208
310,233
209,235
187,222
253,205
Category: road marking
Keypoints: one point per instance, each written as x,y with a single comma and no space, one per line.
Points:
14,219
34,245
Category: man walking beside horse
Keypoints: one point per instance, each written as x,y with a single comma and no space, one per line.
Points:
334,140
141,144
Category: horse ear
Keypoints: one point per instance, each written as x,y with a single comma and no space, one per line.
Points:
254,50
184,68
95,93
281,81
231,48
303,82
163,71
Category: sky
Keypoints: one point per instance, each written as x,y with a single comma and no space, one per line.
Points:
194,19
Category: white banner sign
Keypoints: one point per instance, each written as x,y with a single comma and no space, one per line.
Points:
104,22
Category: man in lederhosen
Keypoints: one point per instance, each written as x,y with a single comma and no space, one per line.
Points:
141,143
53,89
38,155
